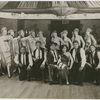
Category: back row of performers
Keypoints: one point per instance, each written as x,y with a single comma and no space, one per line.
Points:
10,45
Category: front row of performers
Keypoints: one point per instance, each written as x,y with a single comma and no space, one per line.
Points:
65,60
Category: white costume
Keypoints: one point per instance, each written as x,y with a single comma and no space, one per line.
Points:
90,39
79,39
5,50
31,43
57,40
43,41
68,42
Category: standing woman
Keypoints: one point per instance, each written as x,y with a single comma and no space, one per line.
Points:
11,35
56,39
31,41
89,37
18,43
66,59
42,39
77,37
67,41
5,50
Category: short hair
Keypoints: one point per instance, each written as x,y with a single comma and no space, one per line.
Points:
11,30
32,31
2,29
19,32
76,29
40,32
23,47
89,30
51,43
38,42
92,45
63,47
65,31
75,42
54,31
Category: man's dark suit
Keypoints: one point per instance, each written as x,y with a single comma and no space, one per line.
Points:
23,74
51,64
39,71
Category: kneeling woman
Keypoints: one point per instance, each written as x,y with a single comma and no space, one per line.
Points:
67,62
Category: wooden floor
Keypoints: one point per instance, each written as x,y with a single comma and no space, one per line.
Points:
13,88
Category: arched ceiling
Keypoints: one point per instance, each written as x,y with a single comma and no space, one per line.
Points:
50,7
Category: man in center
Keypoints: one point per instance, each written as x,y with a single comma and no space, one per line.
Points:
39,58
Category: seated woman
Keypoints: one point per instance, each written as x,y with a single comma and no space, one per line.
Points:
65,64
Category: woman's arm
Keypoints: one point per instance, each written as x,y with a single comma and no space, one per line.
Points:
62,42
93,40
70,42
71,60
83,43
98,66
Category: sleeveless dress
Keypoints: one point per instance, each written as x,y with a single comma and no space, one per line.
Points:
31,43
43,41
64,72
65,59
76,38
5,50
87,39
56,40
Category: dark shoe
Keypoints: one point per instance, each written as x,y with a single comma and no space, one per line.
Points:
36,79
1,74
44,80
60,82
81,84
50,83
15,71
28,80
97,84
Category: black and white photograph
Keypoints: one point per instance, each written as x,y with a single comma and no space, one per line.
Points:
50,49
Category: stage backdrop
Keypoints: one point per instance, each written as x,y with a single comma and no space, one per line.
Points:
44,25
39,25
9,23
94,25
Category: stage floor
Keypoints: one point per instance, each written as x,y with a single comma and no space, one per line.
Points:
13,88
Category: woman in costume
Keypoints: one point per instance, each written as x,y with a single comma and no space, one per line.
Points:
56,39
67,60
6,50
42,39
76,36
90,38
67,41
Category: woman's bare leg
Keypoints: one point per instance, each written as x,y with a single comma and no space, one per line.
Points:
8,70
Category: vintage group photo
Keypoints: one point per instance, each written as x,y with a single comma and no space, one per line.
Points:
50,49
